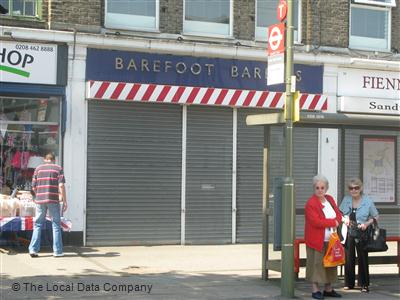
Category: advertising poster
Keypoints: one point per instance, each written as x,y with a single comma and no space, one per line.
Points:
379,167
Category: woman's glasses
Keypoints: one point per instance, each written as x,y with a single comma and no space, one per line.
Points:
355,188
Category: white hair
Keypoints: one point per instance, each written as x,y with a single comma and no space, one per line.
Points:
320,178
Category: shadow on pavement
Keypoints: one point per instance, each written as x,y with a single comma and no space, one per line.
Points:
91,274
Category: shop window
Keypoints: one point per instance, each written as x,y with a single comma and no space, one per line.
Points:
22,8
370,25
132,14
29,129
208,17
266,16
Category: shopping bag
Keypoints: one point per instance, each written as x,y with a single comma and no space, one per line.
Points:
375,238
334,255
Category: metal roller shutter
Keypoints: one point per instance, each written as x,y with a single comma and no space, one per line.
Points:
305,167
306,163
209,175
134,173
250,143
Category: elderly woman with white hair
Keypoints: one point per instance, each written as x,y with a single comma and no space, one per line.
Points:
321,214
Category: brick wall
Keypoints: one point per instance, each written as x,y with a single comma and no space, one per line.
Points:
396,27
307,11
5,21
83,15
171,16
244,19
330,23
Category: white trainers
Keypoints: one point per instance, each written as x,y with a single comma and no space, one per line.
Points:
58,254
33,254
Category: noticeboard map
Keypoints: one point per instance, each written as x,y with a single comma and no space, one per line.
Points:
379,168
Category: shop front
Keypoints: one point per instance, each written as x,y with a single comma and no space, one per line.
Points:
170,159
33,78
372,153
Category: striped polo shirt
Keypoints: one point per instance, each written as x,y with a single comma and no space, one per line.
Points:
45,181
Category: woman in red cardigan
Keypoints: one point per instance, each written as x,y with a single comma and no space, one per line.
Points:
322,215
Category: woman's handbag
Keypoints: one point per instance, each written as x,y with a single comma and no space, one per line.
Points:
354,231
334,255
374,238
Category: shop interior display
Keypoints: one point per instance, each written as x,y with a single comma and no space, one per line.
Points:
26,135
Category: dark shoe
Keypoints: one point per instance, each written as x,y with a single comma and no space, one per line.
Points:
317,295
332,294
365,289
33,254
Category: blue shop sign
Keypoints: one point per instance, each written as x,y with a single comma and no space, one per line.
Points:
124,66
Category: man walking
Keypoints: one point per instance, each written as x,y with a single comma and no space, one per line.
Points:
48,185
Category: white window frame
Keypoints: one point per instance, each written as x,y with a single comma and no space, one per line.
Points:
392,3
260,32
38,10
124,21
192,27
371,44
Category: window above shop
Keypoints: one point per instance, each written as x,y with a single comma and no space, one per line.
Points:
132,14
23,8
208,17
266,16
391,3
370,27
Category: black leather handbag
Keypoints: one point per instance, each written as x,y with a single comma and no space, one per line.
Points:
374,238
353,230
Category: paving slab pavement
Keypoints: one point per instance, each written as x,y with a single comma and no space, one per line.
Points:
160,272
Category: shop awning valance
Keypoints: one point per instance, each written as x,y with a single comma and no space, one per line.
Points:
141,92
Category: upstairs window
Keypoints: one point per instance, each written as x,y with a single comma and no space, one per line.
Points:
266,16
132,14
22,8
208,17
391,3
370,24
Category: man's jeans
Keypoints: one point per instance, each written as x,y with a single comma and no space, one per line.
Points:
54,210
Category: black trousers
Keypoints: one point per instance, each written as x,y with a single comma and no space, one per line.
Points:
350,265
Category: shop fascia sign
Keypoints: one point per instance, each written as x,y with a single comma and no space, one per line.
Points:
138,67
369,105
369,83
23,62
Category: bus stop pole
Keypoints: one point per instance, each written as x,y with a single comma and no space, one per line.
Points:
288,208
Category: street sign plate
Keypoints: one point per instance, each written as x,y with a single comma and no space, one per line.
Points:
276,69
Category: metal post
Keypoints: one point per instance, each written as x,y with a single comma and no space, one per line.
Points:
288,209
265,203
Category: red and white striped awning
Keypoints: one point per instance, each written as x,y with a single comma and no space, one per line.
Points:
142,92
